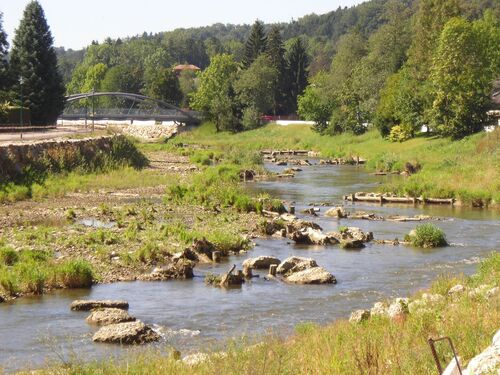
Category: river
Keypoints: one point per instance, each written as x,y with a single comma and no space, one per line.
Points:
195,317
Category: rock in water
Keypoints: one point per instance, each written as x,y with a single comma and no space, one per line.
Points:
337,212
261,262
126,333
295,264
315,275
109,316
87,305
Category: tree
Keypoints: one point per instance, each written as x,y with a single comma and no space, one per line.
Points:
188,83
316,103
275,50
121,78
94,77
255,90
4,65
255,44
33,59
164,85
298,62
216,96
461,80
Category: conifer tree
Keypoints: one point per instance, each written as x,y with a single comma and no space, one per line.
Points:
276,52
298,62
4,46
255,44
34,60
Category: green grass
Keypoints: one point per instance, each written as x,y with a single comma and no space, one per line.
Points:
376,346
35,271
466,170
427,236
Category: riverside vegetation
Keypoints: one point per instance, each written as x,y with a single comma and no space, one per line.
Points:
466,170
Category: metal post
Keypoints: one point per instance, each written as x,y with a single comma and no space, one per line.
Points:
22,104
93,109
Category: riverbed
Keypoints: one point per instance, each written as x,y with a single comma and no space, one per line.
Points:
194,317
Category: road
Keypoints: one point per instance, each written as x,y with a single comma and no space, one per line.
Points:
60,132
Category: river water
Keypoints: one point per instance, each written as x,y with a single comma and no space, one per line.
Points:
194,317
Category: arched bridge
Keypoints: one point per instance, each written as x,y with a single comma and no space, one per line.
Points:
123,106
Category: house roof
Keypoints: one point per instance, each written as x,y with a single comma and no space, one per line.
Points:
186,67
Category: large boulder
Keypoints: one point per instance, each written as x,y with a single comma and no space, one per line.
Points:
109,316
314,275
351,237
87,305
181,269
488,362
126,333
337,212
261,262
295,264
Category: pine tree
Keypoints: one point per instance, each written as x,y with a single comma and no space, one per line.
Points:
4,46
34,59
298,62
276,52
255,44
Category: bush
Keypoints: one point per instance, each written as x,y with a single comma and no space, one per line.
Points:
75,274
8,256
399,134
427,236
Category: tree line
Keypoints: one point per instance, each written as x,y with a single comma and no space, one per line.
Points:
390,63
431,65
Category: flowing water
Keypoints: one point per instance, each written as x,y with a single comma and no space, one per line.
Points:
194,317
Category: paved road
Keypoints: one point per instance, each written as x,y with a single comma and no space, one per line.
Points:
6,138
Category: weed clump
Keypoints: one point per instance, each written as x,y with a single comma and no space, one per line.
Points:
75,274
427,236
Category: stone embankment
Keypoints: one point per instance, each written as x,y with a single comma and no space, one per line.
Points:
149,132
18,156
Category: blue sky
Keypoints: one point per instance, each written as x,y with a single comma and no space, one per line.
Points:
75,23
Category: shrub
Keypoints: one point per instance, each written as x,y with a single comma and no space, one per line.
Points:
75,274
8,256
427,236
399,134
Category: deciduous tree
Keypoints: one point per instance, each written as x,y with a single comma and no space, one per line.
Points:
215,96
461,80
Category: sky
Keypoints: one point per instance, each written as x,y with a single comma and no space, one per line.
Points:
75,23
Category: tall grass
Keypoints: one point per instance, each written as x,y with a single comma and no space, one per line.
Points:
35,271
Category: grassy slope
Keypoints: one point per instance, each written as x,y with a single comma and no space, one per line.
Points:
377,346
467,170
